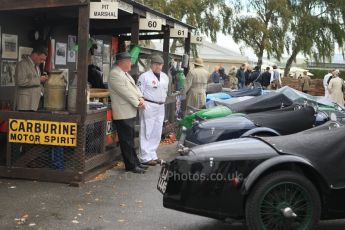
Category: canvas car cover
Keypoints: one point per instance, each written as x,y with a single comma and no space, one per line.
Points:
300,97
286,120
261,103
245,92
214,102
214,88
324,148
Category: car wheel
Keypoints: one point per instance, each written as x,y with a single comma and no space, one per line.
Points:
283,200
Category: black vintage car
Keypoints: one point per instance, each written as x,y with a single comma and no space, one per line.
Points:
282,182
284,121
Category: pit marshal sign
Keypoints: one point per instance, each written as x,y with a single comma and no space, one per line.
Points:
104,10
42,132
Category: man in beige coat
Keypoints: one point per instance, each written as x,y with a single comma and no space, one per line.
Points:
196,83
232,81
28,79
126,98
305,82
335,89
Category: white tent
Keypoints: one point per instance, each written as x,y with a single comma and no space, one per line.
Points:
295,72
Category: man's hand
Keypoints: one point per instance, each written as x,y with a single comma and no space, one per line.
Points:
43,78
141,103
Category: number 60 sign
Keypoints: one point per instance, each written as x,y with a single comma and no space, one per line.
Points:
150,24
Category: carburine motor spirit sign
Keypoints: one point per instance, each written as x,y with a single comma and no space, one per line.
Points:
42,132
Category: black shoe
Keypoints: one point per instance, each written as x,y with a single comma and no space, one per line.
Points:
137,170
143,166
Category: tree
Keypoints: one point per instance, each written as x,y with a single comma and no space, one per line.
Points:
314,29
208,16
263,28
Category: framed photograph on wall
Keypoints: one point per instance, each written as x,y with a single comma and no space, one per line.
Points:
98,51
106,53
24,51
7,73
106,72
72,41
60,53
9,46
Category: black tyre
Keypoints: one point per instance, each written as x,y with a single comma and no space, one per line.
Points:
283,200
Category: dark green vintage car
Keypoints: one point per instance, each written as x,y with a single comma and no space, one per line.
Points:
282,182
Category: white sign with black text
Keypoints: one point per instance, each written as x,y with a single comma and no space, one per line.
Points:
197,39
178,33
104,10
150,24
153,16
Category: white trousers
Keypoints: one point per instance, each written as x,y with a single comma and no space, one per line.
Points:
151,124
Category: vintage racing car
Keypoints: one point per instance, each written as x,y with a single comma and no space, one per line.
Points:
283,121
282,182
283,97
261,103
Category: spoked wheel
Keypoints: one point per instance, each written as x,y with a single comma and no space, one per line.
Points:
283,200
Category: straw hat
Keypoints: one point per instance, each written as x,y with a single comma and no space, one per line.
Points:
198,62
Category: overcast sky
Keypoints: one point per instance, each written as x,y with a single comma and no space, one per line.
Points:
227,42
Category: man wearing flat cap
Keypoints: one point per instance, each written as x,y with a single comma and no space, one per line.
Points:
196,84
126,98
154,86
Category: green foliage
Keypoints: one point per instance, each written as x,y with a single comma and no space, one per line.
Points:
269,27
314,29
264,27
320,73
310,27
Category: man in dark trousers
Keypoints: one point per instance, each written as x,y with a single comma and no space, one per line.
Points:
126,98
241,76
254,74
264,78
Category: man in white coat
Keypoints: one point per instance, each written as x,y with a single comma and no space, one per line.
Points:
326,80
276,81
154,87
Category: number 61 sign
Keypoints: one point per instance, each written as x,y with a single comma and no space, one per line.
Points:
178,33
150,24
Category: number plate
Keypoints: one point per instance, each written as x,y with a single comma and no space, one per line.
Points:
163,179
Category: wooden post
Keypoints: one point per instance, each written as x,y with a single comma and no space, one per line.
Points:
83,37
82,74
166,47
187,50
135,29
